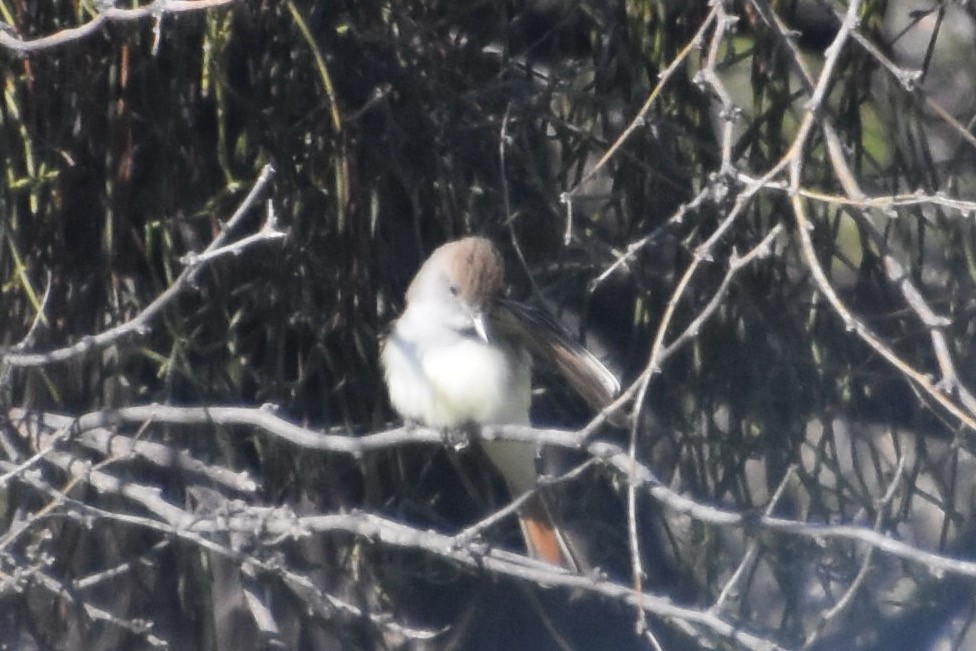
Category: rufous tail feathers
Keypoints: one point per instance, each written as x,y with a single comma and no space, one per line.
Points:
543,537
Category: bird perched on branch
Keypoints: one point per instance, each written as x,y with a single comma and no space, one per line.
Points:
461,355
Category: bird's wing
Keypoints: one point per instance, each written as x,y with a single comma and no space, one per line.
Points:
546,339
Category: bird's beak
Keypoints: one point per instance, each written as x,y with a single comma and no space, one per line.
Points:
478,321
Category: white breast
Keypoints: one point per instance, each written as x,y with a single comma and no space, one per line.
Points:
463,380
441,378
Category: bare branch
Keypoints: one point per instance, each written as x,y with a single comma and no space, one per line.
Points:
141,324
609,453
105,15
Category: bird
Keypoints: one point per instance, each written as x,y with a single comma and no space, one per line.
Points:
461,354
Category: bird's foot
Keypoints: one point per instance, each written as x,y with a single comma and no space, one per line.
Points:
458,438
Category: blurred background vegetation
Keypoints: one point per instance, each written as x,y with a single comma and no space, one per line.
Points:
394,126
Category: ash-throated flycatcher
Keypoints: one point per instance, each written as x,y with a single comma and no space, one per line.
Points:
460,354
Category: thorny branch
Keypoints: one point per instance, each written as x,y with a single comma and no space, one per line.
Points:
610,454
142,323
155,10
949,391
93,449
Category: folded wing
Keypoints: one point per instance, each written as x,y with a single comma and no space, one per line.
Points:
546,339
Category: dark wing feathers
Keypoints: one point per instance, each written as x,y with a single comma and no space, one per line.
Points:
546,339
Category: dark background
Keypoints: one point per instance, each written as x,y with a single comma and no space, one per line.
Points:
395,126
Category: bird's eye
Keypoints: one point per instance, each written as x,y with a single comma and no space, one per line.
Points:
455,290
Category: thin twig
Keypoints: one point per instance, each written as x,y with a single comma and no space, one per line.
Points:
105,15
141,324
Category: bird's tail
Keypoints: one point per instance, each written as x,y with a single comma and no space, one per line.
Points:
544,537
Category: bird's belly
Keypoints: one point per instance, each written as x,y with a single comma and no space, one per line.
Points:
463,382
